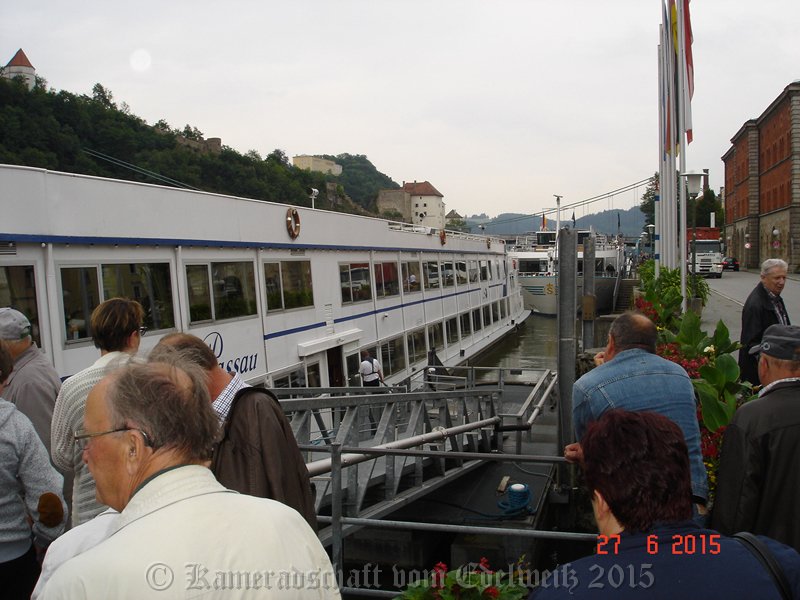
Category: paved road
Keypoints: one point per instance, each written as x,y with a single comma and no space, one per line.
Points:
729,293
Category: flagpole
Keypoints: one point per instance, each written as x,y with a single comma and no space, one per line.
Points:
682,160
657,204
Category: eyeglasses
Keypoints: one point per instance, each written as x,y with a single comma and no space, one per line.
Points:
82,437
142,330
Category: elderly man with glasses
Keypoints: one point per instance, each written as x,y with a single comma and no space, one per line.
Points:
147,438
117,329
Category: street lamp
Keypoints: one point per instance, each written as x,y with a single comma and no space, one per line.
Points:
694,182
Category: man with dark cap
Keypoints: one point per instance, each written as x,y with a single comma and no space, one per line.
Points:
758,486
33,384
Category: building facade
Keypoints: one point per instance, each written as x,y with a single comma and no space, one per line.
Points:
419,202
762,185
315,163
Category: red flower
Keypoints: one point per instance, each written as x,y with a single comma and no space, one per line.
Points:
491,592
484,565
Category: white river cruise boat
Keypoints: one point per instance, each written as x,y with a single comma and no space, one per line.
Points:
285,295
535,258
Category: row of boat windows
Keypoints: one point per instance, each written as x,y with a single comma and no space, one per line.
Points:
396,353
357,279
544,265
225,290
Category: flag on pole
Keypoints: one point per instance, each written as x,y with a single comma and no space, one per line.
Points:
544,222
689,83
618,225
681,28
573,219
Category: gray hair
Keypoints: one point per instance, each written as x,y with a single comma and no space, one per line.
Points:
169,402
771,263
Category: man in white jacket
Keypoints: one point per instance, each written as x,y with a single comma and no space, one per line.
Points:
148,432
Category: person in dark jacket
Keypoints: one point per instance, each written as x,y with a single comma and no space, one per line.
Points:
257,454
758,485
636,468
763,307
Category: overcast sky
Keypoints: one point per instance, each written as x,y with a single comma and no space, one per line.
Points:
498,103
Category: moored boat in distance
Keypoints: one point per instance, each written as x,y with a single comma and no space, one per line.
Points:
535,257
285,295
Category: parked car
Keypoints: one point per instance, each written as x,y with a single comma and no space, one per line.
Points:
729,263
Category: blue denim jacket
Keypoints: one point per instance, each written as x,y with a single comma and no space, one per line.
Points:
636,380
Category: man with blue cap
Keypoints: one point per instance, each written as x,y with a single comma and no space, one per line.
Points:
759,481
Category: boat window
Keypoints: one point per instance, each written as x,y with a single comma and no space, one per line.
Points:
476,319
18,290
199,288
466,327
288,285
81,292
497,269
293,379
435,336
431,275
356,282
313,375
487,315
411,276
452,331
448,274
484,271
353,362
461,272
386,279
234,289
393,356
416,346
149,284
495,311
473,271
503,309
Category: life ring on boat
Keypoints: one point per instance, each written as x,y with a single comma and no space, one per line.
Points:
293,223
443,236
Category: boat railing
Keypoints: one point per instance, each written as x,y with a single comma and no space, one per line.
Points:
427,230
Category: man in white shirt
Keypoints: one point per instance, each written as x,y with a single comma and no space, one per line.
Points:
370,370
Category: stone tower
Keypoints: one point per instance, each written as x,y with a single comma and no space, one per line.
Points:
20,66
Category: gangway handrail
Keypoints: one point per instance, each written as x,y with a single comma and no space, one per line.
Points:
538,408
296,404
320,467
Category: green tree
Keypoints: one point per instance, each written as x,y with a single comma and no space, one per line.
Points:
648,203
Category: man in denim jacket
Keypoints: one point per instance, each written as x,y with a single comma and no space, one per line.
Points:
632,377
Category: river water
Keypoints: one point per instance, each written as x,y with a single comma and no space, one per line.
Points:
533,346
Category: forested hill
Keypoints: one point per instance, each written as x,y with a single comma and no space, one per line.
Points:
93,135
